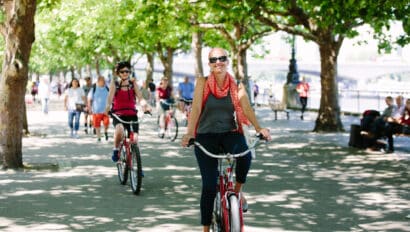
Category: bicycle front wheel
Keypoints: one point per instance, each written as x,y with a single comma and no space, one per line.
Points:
135,169
216,214
122,166
234,214
172,128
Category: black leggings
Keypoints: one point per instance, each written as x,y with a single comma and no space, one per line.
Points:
303,101
231,142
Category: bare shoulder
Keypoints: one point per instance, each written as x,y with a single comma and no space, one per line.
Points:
200,81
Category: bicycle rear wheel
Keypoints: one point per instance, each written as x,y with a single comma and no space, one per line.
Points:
172,128
234,214
135,169
216,214
122,166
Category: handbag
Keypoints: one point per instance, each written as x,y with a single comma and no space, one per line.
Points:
79,107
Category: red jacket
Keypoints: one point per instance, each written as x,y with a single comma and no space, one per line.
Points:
405,119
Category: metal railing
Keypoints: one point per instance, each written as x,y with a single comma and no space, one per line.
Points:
353,101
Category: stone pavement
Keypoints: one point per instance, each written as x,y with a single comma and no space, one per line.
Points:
301,181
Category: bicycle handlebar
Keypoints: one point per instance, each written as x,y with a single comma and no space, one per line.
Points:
128,122
166,103
227,155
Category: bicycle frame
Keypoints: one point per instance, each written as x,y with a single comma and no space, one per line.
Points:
169,119
127,142
225,184
226,189
187,106
131,163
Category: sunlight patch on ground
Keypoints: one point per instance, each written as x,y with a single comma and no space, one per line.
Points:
167,227
170,154
173,167
88,170
386,226
287,145
92,157
92,219
25,192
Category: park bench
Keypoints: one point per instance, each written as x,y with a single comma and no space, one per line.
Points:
276,106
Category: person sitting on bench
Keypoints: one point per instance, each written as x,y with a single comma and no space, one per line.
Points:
398,126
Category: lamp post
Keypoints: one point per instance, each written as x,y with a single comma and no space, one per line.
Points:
293,75
289,89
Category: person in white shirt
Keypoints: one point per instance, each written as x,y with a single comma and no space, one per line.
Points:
400,108
74,103
44,94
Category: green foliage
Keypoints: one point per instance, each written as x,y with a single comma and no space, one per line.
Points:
78,32
311,19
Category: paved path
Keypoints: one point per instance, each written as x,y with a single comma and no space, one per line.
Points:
302,181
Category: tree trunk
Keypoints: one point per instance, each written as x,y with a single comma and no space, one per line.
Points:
37,77
18,33
197,48
149,68
88,70
72,70
328,119
167,60
50,77
80,73
97,67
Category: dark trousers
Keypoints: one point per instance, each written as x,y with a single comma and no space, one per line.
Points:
231,142
303,102
391,129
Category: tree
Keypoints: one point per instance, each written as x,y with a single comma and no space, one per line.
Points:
168,32
238,27
17,29
328,23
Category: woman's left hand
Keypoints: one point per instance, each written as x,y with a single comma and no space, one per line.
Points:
265,133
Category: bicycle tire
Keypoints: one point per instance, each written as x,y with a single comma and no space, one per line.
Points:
172,129
234,214
122,166
216,214
160,135
135,169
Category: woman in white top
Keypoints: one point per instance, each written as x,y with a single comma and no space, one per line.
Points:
44,94
74,101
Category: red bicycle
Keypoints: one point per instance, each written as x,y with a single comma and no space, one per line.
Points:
129,158
171,123
227,213
186,109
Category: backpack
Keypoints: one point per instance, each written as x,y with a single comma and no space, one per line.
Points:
95,86
118,87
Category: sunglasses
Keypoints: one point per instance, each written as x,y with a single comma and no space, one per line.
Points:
124,71
213,60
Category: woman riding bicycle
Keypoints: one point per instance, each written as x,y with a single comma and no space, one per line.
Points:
122,100
217,98
164,98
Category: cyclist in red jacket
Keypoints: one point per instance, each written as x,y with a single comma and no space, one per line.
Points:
122,100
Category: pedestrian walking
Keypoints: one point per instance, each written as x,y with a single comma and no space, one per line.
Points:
97,102
303,89
152,89
44,91
86,88
74,102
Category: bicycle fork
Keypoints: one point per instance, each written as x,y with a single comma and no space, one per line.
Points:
226,192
